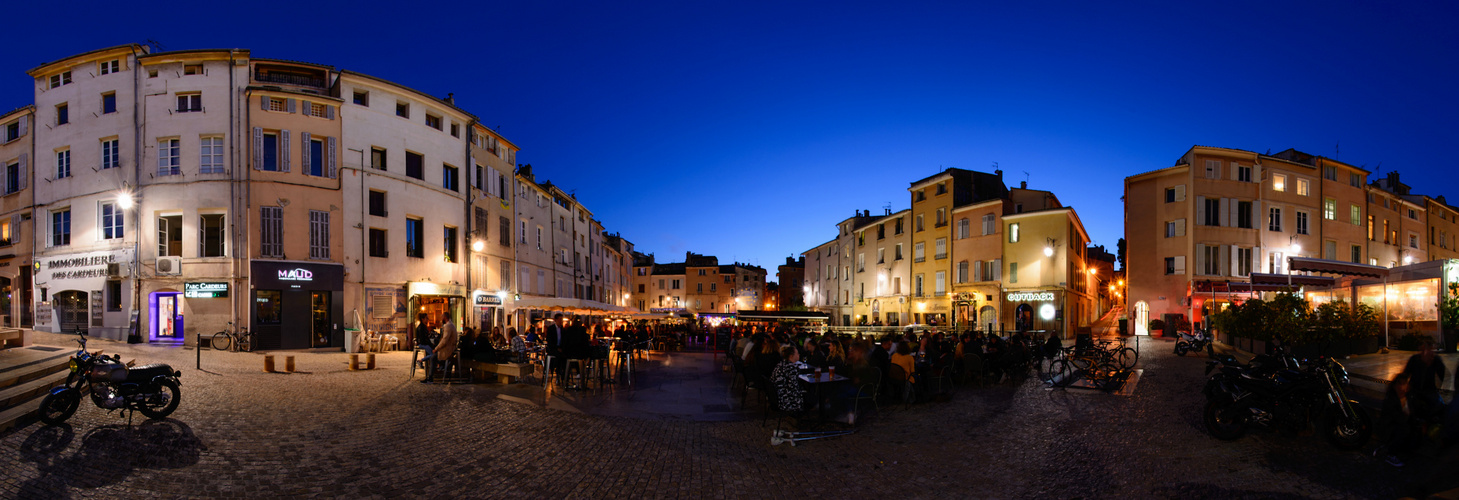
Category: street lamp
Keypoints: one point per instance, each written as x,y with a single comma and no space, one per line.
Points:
477,246
126,201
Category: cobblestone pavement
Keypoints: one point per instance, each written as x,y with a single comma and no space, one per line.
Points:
333,433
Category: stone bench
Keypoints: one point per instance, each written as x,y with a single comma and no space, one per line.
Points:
505,372
12,337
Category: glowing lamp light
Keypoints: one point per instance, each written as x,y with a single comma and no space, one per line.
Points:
1407,259
1048,251
477,246
1093,271
1296,248
124,200
1046,312
501,294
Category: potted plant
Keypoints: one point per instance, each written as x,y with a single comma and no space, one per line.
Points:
1449,318
1157,327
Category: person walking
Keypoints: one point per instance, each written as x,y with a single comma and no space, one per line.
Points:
445,349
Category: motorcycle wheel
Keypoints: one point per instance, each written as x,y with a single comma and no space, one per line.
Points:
169,390
1222,422
59,406
1347,433
1179,350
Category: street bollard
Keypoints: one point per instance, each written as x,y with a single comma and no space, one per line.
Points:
370,361
268,363
289,364
354,362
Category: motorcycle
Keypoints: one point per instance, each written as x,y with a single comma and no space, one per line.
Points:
1281,394
151,389
1197,342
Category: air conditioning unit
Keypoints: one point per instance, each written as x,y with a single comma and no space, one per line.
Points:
169,265
116,270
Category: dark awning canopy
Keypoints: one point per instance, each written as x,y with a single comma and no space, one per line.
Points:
1229,287
782,315
1294,279
1325,266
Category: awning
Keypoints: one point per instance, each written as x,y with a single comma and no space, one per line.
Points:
1335,267
782,315
575,306
1230,287
1295,280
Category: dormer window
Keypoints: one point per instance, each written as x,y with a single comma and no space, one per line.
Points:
192,69
61,79
433,122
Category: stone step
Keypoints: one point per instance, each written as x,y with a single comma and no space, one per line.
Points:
21,365
33,389
20,414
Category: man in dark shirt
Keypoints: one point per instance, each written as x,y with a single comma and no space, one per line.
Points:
556,334
879,357
1426,372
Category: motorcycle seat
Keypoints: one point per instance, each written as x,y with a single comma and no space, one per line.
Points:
146,373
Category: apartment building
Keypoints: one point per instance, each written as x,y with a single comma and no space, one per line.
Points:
1219,214
17,200
883,270
977,255
790,277
933,200
492,261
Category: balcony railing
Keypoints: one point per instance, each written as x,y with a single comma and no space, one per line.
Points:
920,259
940,256
289,79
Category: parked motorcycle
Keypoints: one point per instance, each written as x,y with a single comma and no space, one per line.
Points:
1189,343
1285,396
151,389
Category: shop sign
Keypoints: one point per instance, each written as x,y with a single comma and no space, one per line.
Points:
488,300
42,312
666,310
1030,296
83,266
205,290
295,275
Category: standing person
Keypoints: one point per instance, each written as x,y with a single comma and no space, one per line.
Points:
556,333
445,350
423,342
1425,373
1397,428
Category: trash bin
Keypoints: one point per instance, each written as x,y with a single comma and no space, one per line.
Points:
1124,327
352,337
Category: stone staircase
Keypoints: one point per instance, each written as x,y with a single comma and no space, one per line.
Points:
26,375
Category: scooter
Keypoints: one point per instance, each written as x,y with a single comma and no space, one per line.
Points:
1198,341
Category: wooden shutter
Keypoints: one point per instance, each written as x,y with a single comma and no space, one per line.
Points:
284,138
1180,264
1200,210
24,125
1256,215
329,112
1256,175
977,270
1235,171
1235,260
1200,258
307,107
257,148
1180,227
1223,259
200,235
263,102
1228,212
24,172
291,105
1256,259
332,160
1180,193
997,269
306,145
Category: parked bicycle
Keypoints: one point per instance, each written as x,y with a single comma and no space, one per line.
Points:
240,339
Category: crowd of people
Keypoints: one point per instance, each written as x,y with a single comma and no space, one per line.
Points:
561,338
905,363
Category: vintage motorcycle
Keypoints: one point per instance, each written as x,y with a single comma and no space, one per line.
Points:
1281,394
1196,342
151,389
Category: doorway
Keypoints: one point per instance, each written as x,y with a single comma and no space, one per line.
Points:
320,320
167,315
71,311
1142,318
1023,317
989,318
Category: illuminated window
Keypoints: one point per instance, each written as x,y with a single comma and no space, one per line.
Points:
1279,182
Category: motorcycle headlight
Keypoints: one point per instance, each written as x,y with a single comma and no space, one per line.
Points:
73,366
1341,372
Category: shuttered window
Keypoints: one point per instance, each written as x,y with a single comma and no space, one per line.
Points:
318,234
272,226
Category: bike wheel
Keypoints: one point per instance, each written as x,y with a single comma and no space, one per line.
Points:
168,394
1127,357
59,406
1223,422
1347,433
1058,373
245,342
1106,376
221,341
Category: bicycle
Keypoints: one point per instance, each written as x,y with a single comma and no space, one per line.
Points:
239,339
1071,363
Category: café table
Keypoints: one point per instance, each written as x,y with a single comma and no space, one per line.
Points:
817,380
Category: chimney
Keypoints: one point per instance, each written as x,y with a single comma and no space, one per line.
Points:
451,98
999,173
1023,184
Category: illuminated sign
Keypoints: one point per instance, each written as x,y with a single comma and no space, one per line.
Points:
1030,296
488,300
295,275
205,290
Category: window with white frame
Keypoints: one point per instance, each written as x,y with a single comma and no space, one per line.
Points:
276,104
210,155
1243,261
1013,233
1243,173
64,78
1274,219
988,227
318,234
919,252
211,231
12,177
63,163
61,227
191,102
169,157
109,67
1304,187
940,248
112,221
1279,182
964,228
110,155
1301,222
940,284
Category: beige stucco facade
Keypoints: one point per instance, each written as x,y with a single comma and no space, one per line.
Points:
17,201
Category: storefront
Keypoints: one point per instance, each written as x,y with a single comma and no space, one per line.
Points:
15,291
436,300
1034,311
297,305
488,311
84,291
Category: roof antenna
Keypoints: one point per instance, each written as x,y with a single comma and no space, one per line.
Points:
1025,176
156,45
1337,151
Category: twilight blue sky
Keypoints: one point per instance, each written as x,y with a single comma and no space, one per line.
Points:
747,130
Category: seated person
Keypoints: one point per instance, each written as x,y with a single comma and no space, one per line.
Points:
785,379
518,347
